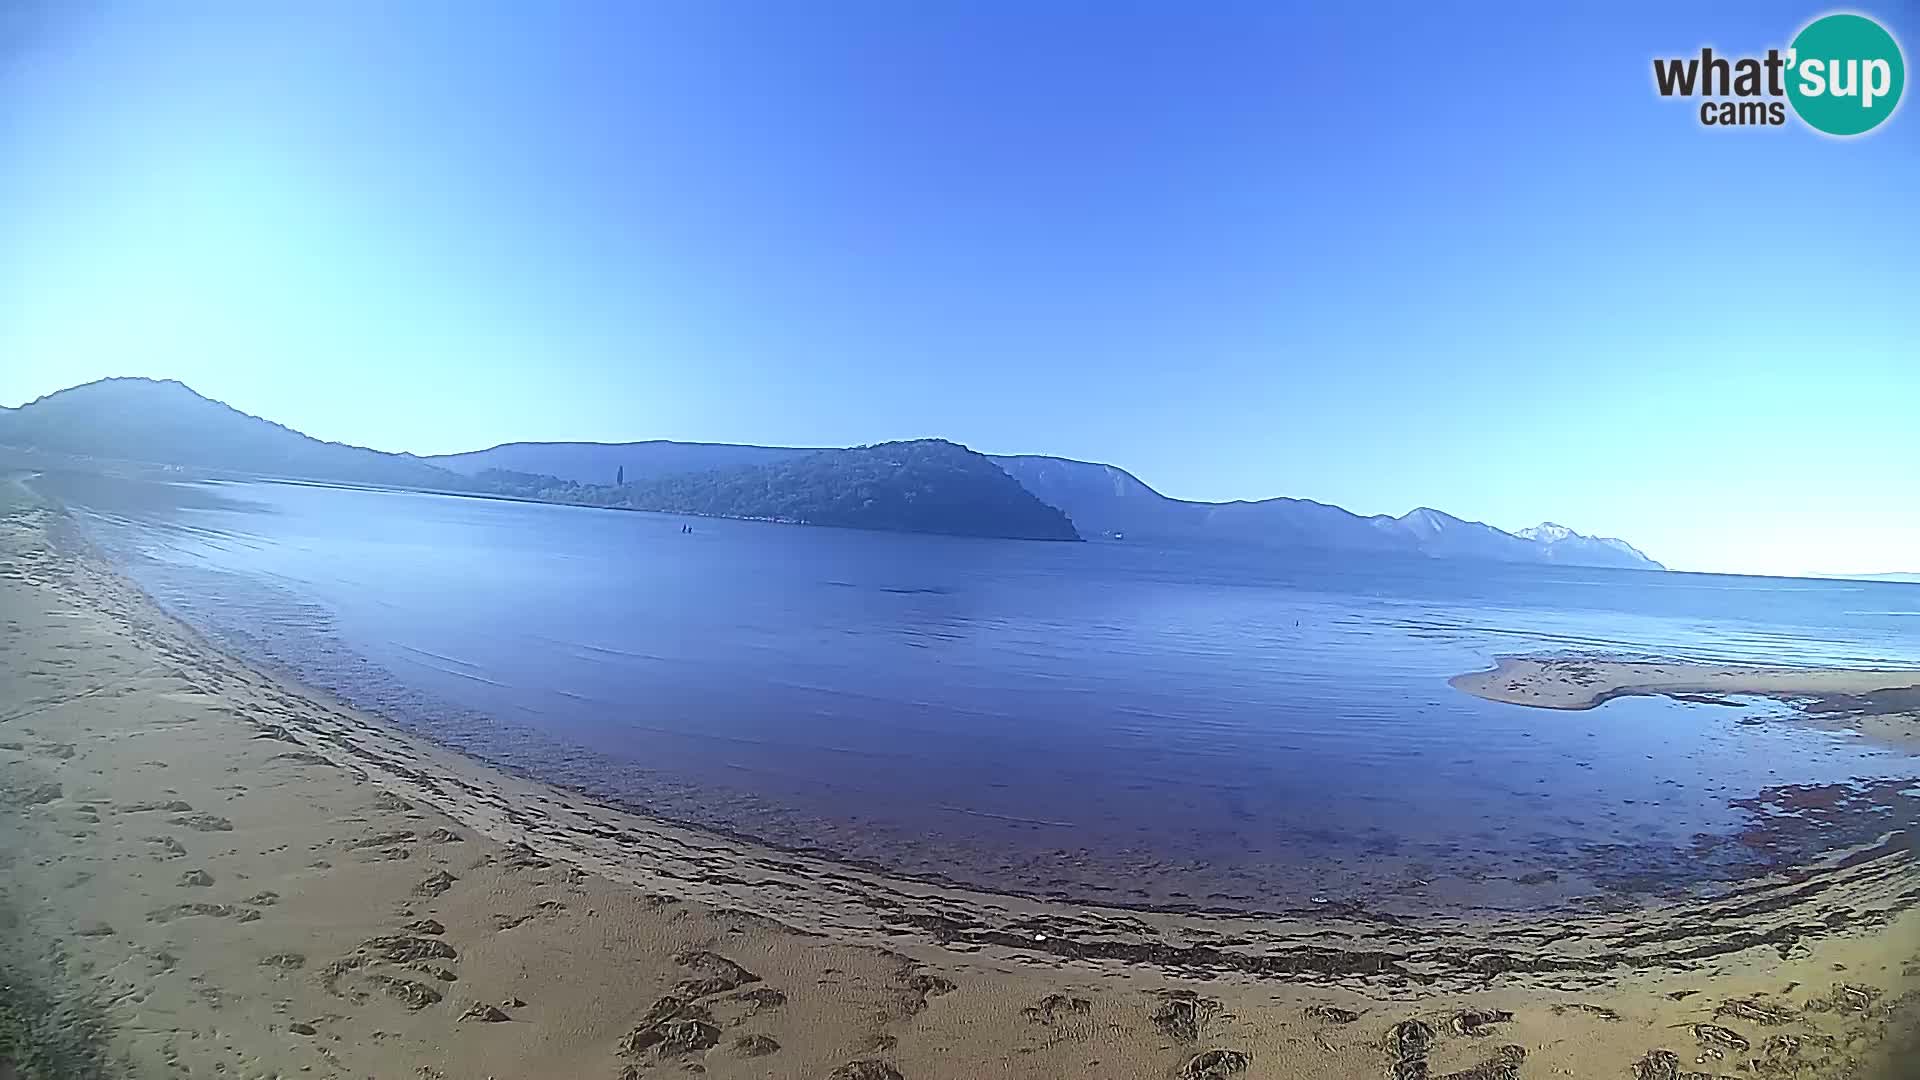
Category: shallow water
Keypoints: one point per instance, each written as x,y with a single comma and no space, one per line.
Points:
1107,721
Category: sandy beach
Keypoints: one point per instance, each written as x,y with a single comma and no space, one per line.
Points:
211,872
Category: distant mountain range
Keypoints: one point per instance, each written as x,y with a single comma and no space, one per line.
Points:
924,485
1105,501
921,486
167,423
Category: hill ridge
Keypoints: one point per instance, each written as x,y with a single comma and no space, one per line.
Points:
1090,498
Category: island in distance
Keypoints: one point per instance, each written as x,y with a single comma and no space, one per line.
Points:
926,485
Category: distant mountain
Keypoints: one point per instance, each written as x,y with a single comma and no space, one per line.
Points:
165,422
1444,536
1106,500
601,463
1563,545
928,485
1103,500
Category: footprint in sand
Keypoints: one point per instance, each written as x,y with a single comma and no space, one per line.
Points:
435,884
1054,1008
1183,1014
1215,1065
1478,1022
713,974
486,1014
866,1069
672,1028
925,986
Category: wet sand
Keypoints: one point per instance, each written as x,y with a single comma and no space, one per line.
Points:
1882,704
237,877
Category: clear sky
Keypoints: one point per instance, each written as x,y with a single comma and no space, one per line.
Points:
1383,258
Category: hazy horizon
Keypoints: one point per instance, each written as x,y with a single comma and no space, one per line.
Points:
1503,279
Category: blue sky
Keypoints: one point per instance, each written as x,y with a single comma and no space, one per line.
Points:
1380,258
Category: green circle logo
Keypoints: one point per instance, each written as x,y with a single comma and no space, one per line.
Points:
1845,74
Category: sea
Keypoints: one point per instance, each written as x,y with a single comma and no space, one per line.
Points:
1115,722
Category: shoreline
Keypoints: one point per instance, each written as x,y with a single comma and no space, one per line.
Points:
1881,703
1246,866
589,914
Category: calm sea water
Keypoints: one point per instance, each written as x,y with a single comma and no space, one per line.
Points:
1106,721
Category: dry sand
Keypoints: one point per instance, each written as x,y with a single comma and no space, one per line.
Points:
214,873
